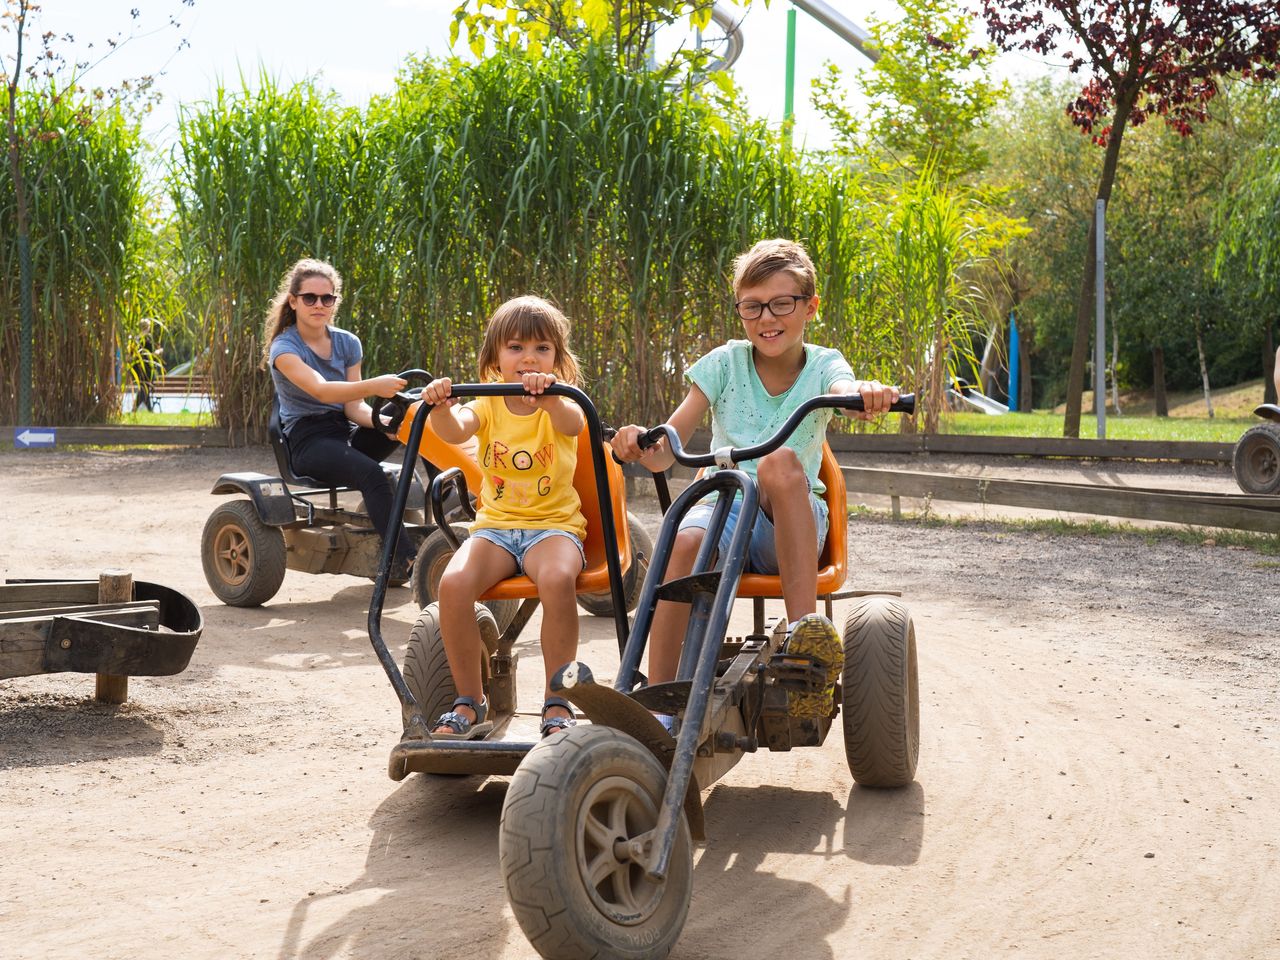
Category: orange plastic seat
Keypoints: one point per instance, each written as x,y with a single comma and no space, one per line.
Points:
595,576
833,561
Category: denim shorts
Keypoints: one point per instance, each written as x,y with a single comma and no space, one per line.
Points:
762,551
518,542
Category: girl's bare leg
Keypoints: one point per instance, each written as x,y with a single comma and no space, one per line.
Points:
553,565
476,567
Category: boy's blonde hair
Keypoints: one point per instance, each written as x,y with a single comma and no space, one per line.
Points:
528,318
774,256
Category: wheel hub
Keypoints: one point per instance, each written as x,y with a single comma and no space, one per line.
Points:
614,822
232,555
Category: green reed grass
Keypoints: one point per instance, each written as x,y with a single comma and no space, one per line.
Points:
80,165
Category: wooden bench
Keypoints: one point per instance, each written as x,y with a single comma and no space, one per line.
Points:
182,385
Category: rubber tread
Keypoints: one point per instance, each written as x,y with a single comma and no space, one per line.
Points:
426,667
267,555
1260,443
880,693
538,855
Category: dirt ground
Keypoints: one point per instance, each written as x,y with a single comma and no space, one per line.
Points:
1099,774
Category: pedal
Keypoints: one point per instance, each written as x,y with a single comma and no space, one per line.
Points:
797,672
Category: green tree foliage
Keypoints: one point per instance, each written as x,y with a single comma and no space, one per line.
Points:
607,190
1161,241
627,27
1247,257
929,95
81,221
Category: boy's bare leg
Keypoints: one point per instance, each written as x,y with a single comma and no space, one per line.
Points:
553,565
670,620
784,497
476,567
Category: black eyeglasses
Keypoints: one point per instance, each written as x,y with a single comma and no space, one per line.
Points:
778,306
328,299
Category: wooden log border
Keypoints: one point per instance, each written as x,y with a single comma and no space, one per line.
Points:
1227,510
135,436
1180,450
1176,450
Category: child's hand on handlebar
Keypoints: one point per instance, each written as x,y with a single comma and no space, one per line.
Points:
877,397
626,444
387,385
534,385
439,392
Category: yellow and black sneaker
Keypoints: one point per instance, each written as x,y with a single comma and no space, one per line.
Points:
815,636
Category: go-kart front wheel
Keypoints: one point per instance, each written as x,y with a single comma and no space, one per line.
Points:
1256,462
243,558
433,556
573,806
426,668
601,604
880,693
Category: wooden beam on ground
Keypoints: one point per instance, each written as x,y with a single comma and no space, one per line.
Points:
135,436
954,443
1231,511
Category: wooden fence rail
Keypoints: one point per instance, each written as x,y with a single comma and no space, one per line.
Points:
1228,510
954,443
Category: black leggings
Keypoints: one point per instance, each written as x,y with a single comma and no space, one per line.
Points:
334,450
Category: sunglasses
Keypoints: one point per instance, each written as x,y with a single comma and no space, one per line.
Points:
327,299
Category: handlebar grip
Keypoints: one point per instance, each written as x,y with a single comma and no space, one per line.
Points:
652,436
399,404
906,403
415,374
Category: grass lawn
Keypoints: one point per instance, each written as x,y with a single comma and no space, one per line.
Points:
1188,418
145,418
1044,424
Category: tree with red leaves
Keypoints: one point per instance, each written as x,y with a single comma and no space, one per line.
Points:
1143,58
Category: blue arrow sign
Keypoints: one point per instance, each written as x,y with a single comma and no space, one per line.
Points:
26,437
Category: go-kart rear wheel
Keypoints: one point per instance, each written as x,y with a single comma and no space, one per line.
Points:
573,806
1256,462
243,558
880,693
426,668
601,604
433,556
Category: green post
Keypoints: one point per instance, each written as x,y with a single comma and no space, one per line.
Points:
789,107
25,310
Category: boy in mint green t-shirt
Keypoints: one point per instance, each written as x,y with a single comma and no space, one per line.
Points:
750,388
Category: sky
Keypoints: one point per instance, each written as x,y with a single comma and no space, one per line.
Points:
356,49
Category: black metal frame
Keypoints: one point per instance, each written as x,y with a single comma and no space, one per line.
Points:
710,589
416,736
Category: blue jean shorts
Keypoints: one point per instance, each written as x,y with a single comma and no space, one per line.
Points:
762,550
518,542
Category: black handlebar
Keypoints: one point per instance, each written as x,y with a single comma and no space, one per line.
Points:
394,408
728,456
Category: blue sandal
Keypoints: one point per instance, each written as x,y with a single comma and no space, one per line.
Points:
550,725
464,729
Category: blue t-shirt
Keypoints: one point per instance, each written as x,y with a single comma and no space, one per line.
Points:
744,413
295,402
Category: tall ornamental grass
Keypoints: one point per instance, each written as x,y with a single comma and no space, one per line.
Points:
614,194
84,183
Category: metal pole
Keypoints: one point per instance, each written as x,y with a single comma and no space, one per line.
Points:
841,26
789,104
1015,365
1100,333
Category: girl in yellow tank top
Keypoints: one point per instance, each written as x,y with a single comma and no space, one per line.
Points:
530,520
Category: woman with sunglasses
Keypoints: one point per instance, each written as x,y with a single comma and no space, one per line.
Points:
315,368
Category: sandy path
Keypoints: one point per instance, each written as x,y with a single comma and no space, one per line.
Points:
1086,703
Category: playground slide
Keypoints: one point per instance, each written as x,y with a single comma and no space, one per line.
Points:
976,399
